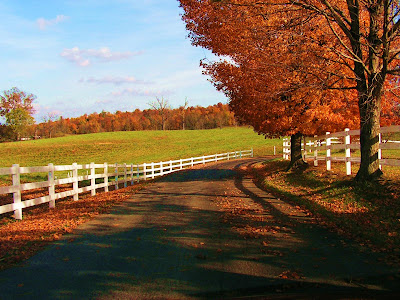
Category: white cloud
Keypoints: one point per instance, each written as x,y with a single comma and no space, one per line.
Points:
138,92
117,80
82,57
43,23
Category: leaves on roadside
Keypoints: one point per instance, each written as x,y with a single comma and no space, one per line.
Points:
19,240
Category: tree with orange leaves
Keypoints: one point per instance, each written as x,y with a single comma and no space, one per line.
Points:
269,77
321,46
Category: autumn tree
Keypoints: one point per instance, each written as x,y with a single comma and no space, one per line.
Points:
49,121
195,118
294,111
17,108
265,75
162,107
350,45
183,109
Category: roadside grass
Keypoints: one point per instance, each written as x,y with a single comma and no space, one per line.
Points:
366,212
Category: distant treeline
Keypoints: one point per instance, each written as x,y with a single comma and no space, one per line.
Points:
214,116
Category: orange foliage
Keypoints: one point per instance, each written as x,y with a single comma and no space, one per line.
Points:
213,116
278,65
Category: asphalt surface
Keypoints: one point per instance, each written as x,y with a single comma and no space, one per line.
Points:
176,240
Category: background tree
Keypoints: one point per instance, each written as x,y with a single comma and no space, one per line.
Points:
213,116
49,121
17,108
19,120
183,112
162,107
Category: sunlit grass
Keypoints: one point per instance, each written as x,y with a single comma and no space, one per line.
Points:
133,147
130,147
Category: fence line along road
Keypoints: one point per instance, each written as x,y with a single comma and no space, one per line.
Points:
343,141
121,173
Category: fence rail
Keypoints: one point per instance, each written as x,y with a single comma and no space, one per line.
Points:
343,141
108,174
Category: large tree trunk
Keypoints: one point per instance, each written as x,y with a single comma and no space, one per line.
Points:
369,139
296,157
369,90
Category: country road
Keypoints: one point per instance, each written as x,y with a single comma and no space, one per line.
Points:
202,233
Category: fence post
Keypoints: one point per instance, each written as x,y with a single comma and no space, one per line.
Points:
315,151
228,155
348,152
125,175
131,173
284,148
274,150
16,178
116,176
144,171
105,177
152,170
191,160
161,168
252,153
215,158
204,160
180,164
138,174
328,151
170,166
52,203
75,181
380,151
92,179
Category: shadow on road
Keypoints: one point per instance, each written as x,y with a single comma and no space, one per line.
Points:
172,241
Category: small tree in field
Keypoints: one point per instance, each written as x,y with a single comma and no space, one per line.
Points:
183,109
17,109
162,107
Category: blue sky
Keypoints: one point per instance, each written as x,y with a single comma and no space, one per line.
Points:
81,56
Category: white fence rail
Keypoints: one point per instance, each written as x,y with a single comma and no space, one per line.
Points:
120,173
345,140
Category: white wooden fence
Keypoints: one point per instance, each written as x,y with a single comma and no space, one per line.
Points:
121,173
345,140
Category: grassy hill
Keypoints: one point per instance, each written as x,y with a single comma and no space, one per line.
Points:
133,146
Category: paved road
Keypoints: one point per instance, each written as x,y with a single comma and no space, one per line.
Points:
177,239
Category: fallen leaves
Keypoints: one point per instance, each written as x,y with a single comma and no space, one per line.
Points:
19,240
291,275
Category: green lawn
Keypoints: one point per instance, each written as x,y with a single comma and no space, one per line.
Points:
134,146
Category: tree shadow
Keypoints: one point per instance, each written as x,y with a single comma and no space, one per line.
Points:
170,242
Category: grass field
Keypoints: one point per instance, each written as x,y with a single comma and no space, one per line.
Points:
134,146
